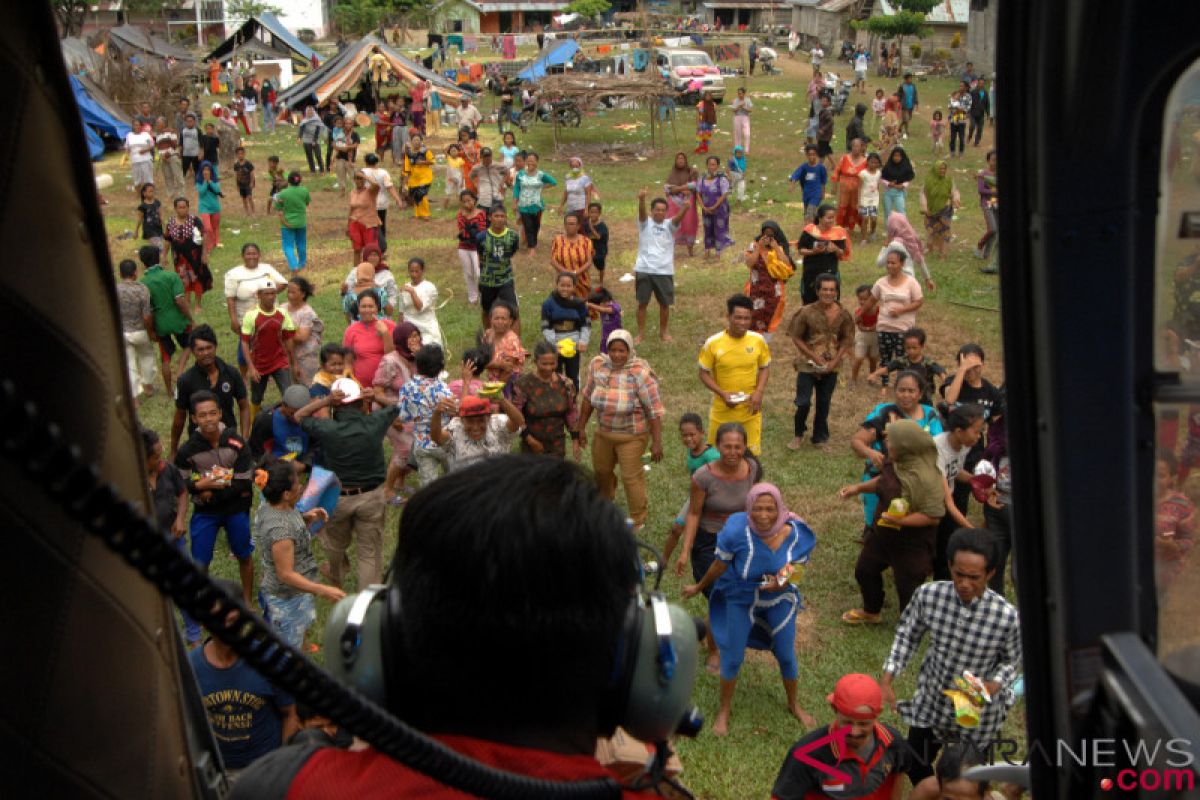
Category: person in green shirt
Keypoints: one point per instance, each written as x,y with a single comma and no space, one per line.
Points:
497,246
292,204
169,307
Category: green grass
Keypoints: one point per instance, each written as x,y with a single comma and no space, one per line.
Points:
744,764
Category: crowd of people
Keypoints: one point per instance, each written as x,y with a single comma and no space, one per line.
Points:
317,461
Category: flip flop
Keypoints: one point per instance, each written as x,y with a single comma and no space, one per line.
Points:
856,616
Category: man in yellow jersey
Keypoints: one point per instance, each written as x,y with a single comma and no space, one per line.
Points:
734,366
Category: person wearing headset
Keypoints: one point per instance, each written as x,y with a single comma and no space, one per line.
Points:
515,557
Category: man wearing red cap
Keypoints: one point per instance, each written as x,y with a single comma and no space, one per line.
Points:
475,433
855,756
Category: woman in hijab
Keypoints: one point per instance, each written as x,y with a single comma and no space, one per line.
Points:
680,189
395,370
901,237
912,501
857,127
714,189
754,599
822,245
309,135
578,189
770,261
623,390
706,122
897,174
939,201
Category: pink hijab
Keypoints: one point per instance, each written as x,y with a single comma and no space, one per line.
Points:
898,227
785,516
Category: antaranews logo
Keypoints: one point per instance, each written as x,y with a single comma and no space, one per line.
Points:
1130,765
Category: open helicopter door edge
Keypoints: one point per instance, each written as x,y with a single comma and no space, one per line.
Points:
1082,92
97,702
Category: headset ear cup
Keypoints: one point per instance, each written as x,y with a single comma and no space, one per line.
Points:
616,699
656,704
395,660
353,644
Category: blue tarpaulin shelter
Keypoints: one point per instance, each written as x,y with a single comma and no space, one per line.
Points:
555,58
99,116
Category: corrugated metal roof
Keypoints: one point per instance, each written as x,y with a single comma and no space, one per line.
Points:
751,5
489,6
948,12
835,6
129,36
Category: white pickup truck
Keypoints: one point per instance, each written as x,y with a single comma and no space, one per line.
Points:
684,67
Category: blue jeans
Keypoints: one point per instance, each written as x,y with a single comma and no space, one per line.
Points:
292,616
295,247
268,117
191,628
893,200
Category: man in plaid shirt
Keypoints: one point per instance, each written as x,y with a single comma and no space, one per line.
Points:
971,629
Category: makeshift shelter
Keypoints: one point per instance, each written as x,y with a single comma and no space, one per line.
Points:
100,115
78,56
265,36
560,55
586,90
344,71
133,41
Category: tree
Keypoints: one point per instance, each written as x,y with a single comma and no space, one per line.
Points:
244,9
903,23
69,14
357,17
588,9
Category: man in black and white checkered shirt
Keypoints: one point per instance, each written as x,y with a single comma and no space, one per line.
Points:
971,629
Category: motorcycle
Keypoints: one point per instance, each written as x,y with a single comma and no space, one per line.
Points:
560,112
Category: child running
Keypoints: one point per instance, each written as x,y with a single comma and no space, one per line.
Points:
243,172
866,339
699,453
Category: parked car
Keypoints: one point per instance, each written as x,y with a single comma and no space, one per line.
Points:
683,67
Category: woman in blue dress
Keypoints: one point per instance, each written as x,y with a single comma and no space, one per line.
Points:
754,600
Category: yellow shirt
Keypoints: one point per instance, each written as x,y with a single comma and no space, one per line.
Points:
421,172
734,363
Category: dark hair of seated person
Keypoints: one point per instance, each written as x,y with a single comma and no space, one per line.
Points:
515,575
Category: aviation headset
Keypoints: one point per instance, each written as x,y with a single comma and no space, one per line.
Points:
648,695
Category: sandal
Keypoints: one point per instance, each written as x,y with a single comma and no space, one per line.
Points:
856,616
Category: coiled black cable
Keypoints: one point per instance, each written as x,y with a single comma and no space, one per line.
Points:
38,448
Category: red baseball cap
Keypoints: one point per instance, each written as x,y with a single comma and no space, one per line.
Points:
854,691
474,407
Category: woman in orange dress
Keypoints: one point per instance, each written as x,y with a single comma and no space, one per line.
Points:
769,258
846,177
573,252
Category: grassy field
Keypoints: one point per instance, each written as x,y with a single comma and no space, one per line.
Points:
963,309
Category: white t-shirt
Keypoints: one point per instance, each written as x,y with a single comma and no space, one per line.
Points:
656,248
868,188
140,147
383,179
243,284
949,460
860,63
425,319
463,451
817,54
908,292
741,105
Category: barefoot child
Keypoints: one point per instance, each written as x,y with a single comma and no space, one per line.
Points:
937,133
243,171
868,196
454,174
866,338
601,302
879,105
595,229
699,453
